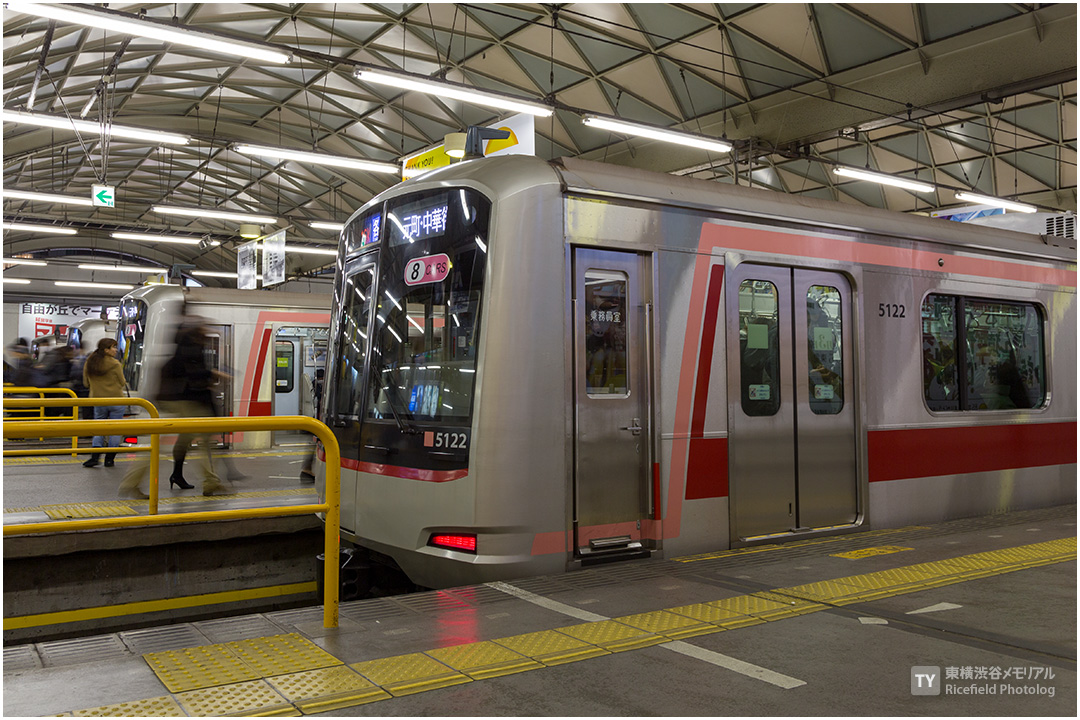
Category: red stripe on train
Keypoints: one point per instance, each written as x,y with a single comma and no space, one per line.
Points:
396,471
928,452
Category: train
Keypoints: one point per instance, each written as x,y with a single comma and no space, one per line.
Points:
537,366
270,344
83,335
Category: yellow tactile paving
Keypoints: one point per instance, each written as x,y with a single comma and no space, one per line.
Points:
792,605
827,591
757,608
711,614
671,625
408,674
329,688
551,648
871,552
280,654
86,510
198,667
164,706
613,636
482,660
250,699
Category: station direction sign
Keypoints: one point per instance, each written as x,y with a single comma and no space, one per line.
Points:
103,196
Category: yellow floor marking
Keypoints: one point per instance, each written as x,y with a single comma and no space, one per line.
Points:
793,544
333,688
254,698
164,706
551,648
86,510
408,674
613,636
198,667
481,660
671,625
280,654
325,689
871,552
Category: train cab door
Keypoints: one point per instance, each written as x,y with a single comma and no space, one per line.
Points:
612,413
792,444
218,354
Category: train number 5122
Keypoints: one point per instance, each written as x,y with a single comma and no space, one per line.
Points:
891,310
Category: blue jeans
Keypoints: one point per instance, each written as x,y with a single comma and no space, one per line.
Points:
108,412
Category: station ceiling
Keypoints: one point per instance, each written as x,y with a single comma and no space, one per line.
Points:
972,96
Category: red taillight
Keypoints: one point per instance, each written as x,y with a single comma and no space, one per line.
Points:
465,543
133,441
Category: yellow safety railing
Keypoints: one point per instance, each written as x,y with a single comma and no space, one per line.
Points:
41,393
19,403
168,426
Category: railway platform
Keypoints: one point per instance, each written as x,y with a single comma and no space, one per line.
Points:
967,617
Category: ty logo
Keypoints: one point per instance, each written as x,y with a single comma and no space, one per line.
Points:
925,680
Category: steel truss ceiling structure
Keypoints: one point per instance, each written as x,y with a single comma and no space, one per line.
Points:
968,96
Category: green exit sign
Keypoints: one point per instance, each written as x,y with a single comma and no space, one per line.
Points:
103,196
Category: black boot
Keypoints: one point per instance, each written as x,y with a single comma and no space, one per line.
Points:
110,459
92,462
177,477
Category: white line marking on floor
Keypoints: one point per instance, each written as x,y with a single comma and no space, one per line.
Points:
547,602
934,608
873,621
744,668
730,663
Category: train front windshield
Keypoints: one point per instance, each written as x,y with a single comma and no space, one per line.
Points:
408,329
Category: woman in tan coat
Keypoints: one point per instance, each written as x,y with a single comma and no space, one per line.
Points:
104,376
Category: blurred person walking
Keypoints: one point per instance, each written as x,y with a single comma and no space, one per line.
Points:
104,376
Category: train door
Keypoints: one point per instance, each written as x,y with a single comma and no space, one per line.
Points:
612,414
792,449
287,385
218,354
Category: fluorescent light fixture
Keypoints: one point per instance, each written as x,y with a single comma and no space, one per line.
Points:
456,91
172,239
54,229
122,268
219,274
46,197
881,179
304,249
338,227
93,128
116,22
678,137
22,261
317,158
215,214
16,281
110,286
996,202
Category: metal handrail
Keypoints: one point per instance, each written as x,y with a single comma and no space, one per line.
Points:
42,392
17,403
166,426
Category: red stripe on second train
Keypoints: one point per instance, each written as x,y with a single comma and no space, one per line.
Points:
707,465
260,408
264,346
928,452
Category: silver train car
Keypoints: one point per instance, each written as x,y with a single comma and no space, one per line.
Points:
265,341
537,366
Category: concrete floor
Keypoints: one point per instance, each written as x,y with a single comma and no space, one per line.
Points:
854,659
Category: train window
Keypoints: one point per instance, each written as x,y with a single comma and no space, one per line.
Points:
605,325
1004,368
999,345
352,337
431,281
131,339
825,345
283,366
939,332
759,348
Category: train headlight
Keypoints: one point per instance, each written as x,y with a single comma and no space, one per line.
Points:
462,543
